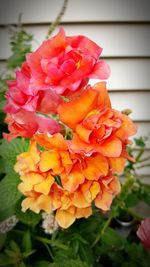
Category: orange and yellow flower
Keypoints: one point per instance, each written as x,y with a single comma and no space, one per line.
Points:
55,179
96,126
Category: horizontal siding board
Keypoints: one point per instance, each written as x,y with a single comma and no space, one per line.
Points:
126,74
116,40
137,102
77,10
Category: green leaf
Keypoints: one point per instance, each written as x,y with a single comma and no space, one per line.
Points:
86,254
14,246
112,239
70,263
10,150
9,193
28,217
28,254
2,240
10,253
4,214
131,200
26,242
2,104
139,141
22,264
5,260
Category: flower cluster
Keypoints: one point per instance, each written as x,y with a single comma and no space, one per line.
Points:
72,161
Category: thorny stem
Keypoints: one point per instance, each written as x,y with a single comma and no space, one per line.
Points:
58,19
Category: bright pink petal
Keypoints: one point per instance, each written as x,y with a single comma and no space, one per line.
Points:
48,102
85,45
101,71
47,125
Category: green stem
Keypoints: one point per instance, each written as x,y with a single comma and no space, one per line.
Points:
49,251
58,19
106,224
140,154
44,240
143,166
50,242
142,160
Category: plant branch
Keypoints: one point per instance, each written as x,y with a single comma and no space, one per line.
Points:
58,19
106,224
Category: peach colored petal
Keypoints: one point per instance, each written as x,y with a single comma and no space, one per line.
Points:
78,146
103,201
24,188
97,166
49,160
112,147
34,152
85,189
71,209
115,185
32,177
79,200
45,186
66,202
43,202
74,111
95,189
56,194
55,141
103,97
117,164
64,218
84,212
83,132
66,160
24,163
27,203
128,128
72,180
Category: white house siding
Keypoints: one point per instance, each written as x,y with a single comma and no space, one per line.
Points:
121,27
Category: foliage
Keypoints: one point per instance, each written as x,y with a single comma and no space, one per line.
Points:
95,241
